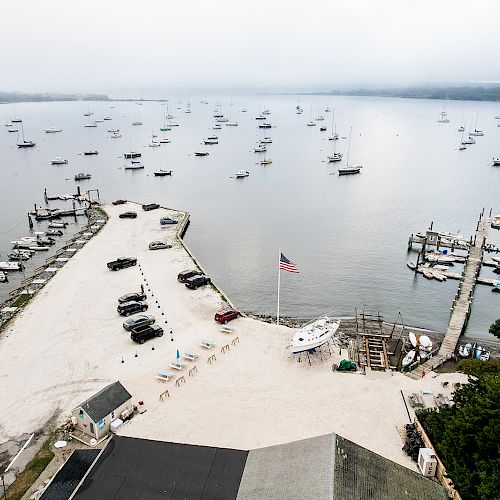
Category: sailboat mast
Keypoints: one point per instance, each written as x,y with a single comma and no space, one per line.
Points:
349,147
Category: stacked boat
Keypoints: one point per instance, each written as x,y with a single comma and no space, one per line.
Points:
421,349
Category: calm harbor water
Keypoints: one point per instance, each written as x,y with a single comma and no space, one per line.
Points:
347,235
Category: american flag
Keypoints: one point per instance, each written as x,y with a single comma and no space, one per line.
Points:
286,265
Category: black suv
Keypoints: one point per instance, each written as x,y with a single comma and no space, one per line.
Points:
122,263
132,297
146,332
128,215
131,308
150,206
195,281
188,273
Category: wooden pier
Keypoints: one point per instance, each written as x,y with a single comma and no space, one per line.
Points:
462,303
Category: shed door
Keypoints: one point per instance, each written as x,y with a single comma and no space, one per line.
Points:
92,428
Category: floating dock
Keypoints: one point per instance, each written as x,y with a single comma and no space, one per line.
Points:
462,303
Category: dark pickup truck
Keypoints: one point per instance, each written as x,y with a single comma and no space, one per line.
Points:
146,332
122,263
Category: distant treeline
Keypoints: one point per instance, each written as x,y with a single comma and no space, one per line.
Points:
488,93
21,97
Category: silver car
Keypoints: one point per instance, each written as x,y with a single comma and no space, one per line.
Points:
157,245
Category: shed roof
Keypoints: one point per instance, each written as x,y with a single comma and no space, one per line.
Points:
105,401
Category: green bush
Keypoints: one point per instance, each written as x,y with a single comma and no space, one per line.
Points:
466,435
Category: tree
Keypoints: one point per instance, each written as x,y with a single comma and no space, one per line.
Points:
466,435
495,329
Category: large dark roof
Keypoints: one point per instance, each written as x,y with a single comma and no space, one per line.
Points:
105,401
69,475
324,468
143,469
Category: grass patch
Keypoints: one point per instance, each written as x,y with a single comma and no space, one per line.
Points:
30,474
21,300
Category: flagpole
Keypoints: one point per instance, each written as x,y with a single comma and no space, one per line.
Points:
279,276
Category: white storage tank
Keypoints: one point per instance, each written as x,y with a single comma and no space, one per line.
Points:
427,462
116,424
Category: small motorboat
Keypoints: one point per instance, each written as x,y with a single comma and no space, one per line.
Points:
265,125
201,153
266,161
311,124
134,165
111,130
412,265
162,173
132,154
165,140
266,140
59,161
52,130
322,128
465,351
413,339
107,118
115,135
216,127
90,125
409,358
428,273
54,232
496,161
20,255
137,123
89,153
260,149
10,266
242,173
210,141
334,137
3,277
82,177
57,224
260,117
13,130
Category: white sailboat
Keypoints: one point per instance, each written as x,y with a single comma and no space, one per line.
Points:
349,169
335,156
476,132
334,135
230,123
311,123
24,143
314,335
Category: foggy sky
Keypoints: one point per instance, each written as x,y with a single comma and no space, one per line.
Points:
124,47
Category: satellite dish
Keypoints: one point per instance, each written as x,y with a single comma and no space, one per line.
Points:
93,442
60,444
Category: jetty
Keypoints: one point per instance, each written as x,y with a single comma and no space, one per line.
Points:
462,303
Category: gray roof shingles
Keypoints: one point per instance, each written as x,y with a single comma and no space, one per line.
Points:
105,401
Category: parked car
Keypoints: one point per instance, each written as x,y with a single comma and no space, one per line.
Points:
157,245
139,320
226,314
167,220
122,263
132,297
195,281
150,206
119,202
146,332
128,215
131,308
187,273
